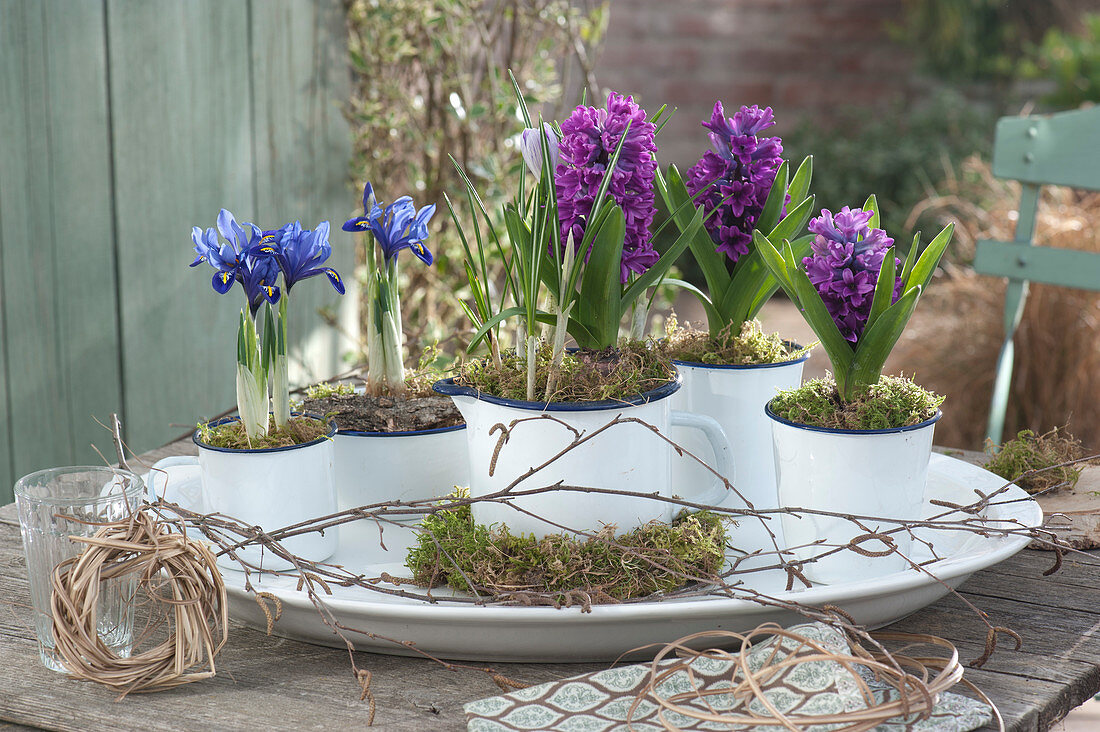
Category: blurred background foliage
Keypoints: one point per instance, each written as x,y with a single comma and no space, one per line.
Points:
430,82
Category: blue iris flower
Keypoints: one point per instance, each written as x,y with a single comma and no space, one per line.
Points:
238,260
396,226
299,253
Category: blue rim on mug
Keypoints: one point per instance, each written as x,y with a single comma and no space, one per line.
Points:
264,450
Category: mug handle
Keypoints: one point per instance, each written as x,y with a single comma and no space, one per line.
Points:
716,436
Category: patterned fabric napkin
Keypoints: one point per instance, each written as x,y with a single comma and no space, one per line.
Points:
600,701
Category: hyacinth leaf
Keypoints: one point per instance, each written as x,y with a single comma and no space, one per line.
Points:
596,224
876,343
662,265
756,290
802,292
711,262
884,288
800,182
794,221
775,263
601,291
930,258
752,282
871,204
910,259
821,322
713,315
777,196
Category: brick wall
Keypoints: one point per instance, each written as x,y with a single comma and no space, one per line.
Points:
801,57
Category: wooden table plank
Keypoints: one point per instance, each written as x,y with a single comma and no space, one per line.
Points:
270,681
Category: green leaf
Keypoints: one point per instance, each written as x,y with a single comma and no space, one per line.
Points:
242,342
753,283
884,288
817,317
793,222
777,196
496,320
775,263
871,204
662,265
472,197
711,262
582,334
267,353
910,260
930,258
599,304
800,183
876,343
520,99
715,322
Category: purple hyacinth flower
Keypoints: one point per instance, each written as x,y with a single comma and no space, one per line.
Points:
736,176
844,267
589,139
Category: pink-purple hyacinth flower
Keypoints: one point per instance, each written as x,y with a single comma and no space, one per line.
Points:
736,176
589,139
844,267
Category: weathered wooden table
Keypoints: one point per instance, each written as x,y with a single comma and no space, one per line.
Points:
270,682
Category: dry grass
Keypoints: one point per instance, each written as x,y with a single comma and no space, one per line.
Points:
952,344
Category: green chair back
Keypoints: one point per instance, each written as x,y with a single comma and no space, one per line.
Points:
1061,149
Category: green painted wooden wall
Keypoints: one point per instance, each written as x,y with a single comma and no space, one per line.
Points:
123,123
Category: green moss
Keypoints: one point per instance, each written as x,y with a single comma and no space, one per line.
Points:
893,402
612,374
750,347
325,389
1040,453
298,431
497,562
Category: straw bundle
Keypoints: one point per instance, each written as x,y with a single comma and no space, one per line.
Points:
186,601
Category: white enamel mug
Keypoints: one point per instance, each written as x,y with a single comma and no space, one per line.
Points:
630,456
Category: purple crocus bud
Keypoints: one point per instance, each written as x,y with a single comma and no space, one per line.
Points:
847,255
531,146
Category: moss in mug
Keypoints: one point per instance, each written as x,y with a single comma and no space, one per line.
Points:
453,550
326,389
1036,462
231,435
893,402
613,374
751,346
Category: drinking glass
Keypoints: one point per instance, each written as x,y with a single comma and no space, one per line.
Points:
55,504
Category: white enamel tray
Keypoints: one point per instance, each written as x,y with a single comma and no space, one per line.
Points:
513,633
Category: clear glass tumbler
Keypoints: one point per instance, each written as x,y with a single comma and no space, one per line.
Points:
55,504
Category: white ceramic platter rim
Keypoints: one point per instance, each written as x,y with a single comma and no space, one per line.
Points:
1012,504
